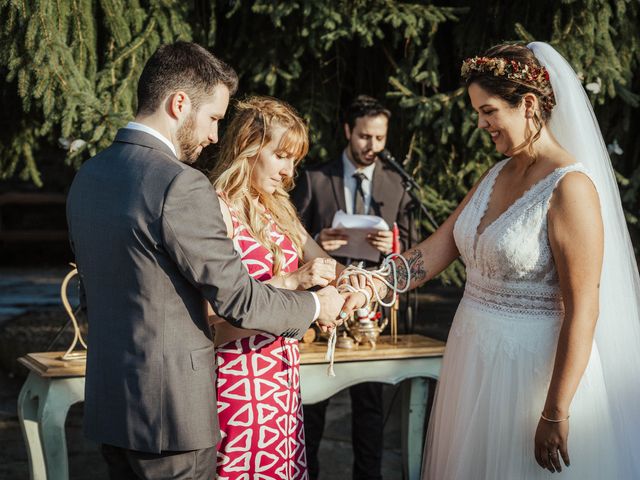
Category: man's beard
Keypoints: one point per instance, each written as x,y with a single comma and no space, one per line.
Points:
360,162
187,140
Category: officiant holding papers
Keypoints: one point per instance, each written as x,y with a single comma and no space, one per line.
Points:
357,183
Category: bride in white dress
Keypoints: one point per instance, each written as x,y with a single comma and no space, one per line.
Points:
541,372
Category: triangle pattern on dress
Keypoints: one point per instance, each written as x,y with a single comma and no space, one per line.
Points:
283,471
296,378
261,364
267,436
292,425
222,459
243,417
237,366
266,412
282,377
283,354
283,399
242,463
293,444
264,388
282,424
241,390
302,456
241,443
264,461
222,406
295,471
282,448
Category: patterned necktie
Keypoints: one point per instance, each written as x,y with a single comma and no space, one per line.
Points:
358,195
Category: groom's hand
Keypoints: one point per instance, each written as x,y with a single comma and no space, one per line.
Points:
330,305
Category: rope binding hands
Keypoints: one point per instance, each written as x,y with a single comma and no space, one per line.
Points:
387,275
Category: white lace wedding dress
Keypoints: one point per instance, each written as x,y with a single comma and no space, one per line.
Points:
500,353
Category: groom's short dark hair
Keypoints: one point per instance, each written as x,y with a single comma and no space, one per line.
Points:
182,66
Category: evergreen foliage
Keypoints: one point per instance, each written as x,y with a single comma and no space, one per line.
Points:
73,65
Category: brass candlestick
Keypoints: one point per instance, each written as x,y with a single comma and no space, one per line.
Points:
70,354
394,320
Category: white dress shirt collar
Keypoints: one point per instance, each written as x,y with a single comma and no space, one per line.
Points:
152,131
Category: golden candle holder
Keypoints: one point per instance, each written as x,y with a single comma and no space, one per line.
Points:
71,354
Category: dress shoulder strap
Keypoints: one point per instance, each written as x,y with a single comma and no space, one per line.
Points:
483,192
554,179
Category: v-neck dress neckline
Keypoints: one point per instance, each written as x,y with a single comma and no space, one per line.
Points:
485,200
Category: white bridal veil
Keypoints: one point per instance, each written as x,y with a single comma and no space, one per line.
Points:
574,125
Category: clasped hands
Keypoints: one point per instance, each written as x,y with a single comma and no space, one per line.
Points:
335,306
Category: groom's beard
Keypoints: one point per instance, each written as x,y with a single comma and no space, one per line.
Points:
187,141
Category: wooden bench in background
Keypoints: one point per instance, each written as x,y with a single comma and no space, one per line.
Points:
12,200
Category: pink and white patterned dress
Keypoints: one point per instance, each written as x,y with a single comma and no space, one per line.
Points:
258,387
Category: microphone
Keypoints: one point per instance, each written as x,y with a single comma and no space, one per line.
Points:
387,158
408,182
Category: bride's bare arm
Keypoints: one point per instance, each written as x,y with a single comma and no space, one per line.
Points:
427,259
577,241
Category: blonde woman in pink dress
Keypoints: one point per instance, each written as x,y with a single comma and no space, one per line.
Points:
258,378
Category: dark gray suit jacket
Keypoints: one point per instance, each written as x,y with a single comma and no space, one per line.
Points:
150,243
319,194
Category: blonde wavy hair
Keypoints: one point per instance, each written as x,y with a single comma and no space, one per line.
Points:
248,132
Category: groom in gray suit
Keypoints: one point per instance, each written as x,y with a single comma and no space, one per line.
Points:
151,246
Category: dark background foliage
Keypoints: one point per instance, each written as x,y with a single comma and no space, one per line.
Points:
68,73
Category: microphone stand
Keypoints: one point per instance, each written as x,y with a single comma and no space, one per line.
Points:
411,187
409,184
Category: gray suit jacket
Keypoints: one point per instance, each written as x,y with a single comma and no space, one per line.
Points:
150,243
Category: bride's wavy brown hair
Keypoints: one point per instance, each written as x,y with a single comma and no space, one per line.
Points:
248,132
512,91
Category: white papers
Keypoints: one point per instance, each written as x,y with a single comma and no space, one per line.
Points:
357,227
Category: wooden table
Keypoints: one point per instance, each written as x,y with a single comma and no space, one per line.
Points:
414,358
53,386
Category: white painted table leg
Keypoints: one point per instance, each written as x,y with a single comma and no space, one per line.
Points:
50,400
61,394
415,394
28,401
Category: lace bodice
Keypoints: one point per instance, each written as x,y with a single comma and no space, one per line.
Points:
510,265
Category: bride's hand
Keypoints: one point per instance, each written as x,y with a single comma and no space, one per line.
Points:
318,272
551,444
357,281
353,301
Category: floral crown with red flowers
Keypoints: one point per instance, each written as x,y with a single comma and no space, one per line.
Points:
528,75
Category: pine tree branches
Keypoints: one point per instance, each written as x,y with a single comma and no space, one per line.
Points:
73,66
75,63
